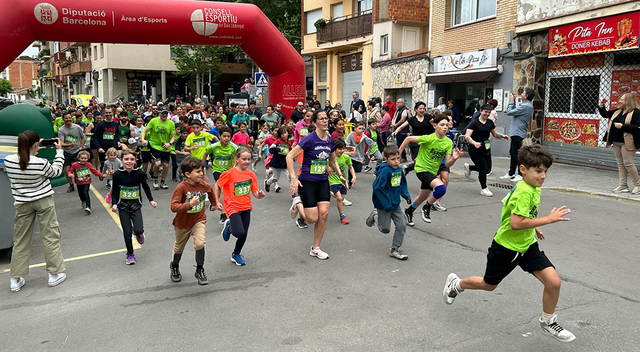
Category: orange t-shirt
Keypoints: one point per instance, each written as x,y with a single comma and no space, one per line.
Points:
237,187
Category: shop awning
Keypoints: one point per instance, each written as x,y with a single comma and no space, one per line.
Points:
462,76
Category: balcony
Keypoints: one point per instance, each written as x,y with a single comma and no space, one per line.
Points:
77,67
346,27
61,80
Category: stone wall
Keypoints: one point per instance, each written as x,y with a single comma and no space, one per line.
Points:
413,72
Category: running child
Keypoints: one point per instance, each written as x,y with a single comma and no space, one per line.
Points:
111,164
221,154
389,185
514,244
359,141
197,142
237,184
241,138
339,189
278,164
187,202
180,152
372,132
263,151
443,170
126,199
81,171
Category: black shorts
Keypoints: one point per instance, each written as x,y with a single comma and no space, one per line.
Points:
443,167
216,175
164,157
70,158
146,156
313,192
425,178
501,261
338,188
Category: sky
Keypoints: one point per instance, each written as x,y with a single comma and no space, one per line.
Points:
30,51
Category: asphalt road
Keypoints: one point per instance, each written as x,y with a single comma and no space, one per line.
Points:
358,300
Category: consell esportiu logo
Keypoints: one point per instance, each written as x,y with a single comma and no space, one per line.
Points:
206,21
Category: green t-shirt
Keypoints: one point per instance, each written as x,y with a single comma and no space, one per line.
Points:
432,151
523,200
222,156
59,122
202,141
344,162
86,120
159,132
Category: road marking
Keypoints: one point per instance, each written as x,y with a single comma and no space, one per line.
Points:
115,218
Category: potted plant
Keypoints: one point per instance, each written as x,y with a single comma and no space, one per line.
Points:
320,23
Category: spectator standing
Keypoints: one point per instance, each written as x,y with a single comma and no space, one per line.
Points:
518,129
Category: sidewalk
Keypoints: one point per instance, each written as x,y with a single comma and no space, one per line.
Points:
561,177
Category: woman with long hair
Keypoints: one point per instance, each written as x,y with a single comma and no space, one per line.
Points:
623,134
29,176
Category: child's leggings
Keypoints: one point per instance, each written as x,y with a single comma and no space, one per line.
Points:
83,193
131,222
239,228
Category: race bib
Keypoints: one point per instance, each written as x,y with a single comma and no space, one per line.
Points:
487,144
108,136
242,188
304,130
129,192
223,161
396,178
200,142
198,207
71,139
318,167
284,149
83,172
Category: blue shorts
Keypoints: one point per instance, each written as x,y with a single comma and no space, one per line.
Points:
338,188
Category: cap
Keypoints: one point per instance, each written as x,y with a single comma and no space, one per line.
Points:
165,112
486,107
132,141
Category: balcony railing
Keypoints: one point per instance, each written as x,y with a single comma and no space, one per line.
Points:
77,67
61,79
346,27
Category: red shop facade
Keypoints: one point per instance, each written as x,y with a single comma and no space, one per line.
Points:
587,62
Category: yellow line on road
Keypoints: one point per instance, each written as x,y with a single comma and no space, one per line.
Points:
74,258
113,215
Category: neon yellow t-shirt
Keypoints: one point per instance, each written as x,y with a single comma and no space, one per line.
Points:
432,150
202,141
344,162
222,156
523,200
159,132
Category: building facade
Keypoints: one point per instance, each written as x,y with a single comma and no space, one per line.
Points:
23,75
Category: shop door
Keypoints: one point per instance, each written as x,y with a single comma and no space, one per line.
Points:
351,82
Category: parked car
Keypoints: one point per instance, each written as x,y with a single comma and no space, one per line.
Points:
4,102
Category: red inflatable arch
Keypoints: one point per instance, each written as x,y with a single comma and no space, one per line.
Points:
159,22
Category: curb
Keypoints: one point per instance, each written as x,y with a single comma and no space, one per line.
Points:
615,196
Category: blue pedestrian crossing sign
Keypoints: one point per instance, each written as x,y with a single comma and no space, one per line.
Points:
261,80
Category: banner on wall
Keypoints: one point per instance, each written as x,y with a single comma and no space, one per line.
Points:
572,131
602,34
623,81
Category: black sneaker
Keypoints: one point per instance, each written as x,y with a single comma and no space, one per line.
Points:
426,213
302,224
201,276
175,273
223,218
70,189
409,216
267,187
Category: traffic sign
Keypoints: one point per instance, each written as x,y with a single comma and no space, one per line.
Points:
261,80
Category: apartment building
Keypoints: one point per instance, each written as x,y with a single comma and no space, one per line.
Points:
23,76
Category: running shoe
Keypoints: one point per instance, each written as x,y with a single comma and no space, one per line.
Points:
409,215
70,189
175,273
516,178
486,192
450,291
317,252
201,276
267,187
223,218
371,219
302,223
467,170
367,169
108,198
238,259
438,207
506,177
343,219
226,230
16,283
87,210
163,185
621,189
56,279
131,259
346,202
155,183
553,329
293,211
140,238
406,170
426,213
278,188
397,254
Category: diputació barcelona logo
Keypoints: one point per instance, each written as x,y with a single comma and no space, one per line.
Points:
45,13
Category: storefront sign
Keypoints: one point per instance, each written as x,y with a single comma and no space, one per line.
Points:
143,75
627,81
572,131
472,60
576,62
352,62
431,99
497,95
602,34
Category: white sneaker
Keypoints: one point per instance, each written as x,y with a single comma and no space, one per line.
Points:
506,177
467,171
486,192
16,284
450,291
346,202
621,189
516,178
556,331
293,211
278,188
317,252
56,279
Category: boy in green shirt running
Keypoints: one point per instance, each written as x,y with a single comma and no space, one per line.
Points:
222,155
197,142
338,189
515,242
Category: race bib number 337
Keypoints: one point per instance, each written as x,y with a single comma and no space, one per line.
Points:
242,188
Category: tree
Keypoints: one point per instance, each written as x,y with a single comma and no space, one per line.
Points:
200,60
25,57
5,87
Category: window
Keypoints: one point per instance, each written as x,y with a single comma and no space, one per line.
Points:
322,71
384,44
471,10
102,51
312,17
410,39
95,52
578,95
336,11
363,5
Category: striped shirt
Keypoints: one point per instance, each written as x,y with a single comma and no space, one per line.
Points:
33,182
